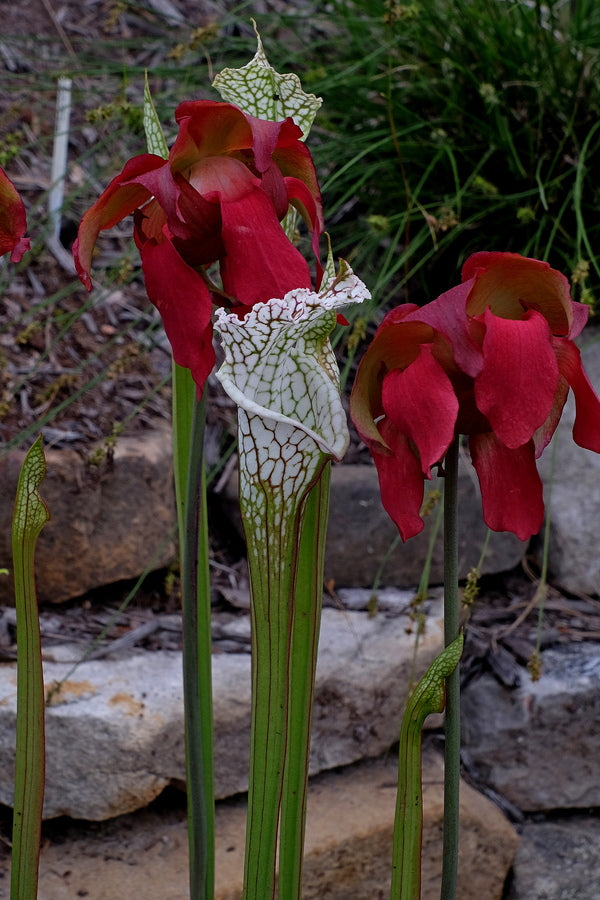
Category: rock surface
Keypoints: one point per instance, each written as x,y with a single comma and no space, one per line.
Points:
348,845
361,533
558,861
114,731
572,478
107,523
539,744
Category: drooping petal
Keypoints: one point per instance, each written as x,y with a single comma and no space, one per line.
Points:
510,284
511,489
580,316
515,390
420,401
185,307
586,430
310,210
260,261
13,223
544,433
122,196
400,481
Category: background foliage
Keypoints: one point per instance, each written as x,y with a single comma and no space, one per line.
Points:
447,126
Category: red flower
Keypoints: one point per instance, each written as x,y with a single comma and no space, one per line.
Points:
219,197
492,358
13,223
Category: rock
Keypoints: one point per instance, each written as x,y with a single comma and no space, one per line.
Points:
361,533
108,523
349,837
572,478
539,745
348,845
558,860
114,731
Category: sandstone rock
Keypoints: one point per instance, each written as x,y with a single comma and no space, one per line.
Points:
572,478
348,845
558,860
115,730
107,524
539,744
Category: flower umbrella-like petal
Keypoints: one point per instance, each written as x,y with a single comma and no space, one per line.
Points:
511,489
421,402
13,223
516,387
510,284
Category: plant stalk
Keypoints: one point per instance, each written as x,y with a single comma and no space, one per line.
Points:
452,719
302,669
189,416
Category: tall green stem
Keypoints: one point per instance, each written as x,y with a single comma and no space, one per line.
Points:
189,416
451,631
30,515
302,668
272,520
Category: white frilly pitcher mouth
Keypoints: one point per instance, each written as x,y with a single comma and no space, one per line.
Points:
279,365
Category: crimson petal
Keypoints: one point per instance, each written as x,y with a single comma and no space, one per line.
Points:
400,481
421,402
13,224
511,489
586,430
185,307
260,261
122,197
516,387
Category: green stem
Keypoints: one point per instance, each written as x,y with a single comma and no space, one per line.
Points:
301,678
188,439
428,697
272,557
452,721
30,515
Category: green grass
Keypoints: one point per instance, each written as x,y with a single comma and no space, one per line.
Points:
447,126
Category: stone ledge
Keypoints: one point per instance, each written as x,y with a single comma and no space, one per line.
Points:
348,845
114,733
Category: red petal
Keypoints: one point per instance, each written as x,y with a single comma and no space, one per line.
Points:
260,261
511,489
13,223
395,346
421,402
123,195
544,433
448,316
586,430
400,482
208,128
515,390
310,209
185,306
509,284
